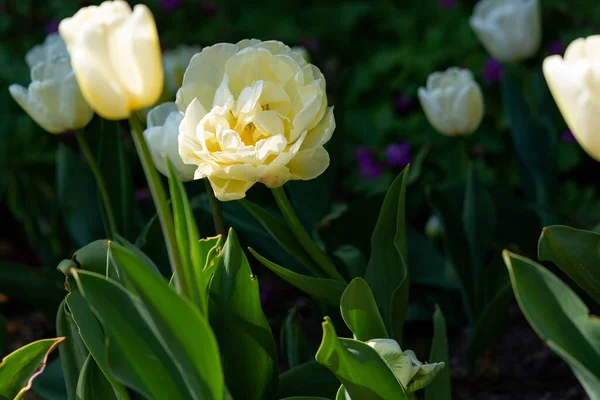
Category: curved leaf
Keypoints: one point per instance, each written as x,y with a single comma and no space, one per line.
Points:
92,384
360,312
73,352
440,388
21,367
325,290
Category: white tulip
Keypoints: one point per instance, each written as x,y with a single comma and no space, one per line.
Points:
53,98
452,101
510,30
302,52
161,135
174,63
575,84
51,50
116,57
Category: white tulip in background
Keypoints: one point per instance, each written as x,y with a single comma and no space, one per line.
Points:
51,50
53,98
161,135
575,84
433,227
174,63
452,101
510,30
115,53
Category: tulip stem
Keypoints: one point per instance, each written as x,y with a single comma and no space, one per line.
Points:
100,182
216,210
163,210
303,237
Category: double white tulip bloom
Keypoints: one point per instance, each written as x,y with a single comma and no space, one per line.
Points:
161,135
575,84
174,63
53,98
452,101
115,53
254,112
510,30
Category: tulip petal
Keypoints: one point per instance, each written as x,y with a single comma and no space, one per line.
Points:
309,163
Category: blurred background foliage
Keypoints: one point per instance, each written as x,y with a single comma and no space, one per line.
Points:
375,55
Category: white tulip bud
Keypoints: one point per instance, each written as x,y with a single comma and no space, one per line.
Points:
53,98
510,30
51,50
161,136
452,101
575,84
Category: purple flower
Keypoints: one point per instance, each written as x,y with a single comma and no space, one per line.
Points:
52,27
142,194
398,154
170,5
568,137
448,3
492,71
556,47
403,104
369,168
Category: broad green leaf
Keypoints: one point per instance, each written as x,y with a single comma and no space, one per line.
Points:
245,339
136,357
489,325
440,388
50,385
282,235
294,343
112,161
359,368
325,290
305,398
77,196
93,257
139,253
559,317
387,272
360,312
93,337
73,352
92,384
576,252
21,367
185,334
310,379
152,243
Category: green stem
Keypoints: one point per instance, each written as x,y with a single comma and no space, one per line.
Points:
89,155
466,156
216,210
303,237
163,210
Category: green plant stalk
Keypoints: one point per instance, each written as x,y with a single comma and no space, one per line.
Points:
220,227
303,237
100,182
163,211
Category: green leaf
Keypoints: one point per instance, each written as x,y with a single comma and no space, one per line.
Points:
360,312
440,388
294,343
282,235
325,290
93,257
73,352
247,345
559,317
387,272
576,252
50,385
112,161
21,367
359,368
489,325
92,384
136,357
310,379
77,196
92,335
305,398
185,334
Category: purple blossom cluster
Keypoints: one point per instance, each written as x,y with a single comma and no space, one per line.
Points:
398,155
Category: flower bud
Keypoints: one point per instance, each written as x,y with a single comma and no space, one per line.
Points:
116,57
51,50
452,101
510,30
575,83
161,135
53,98
433,227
